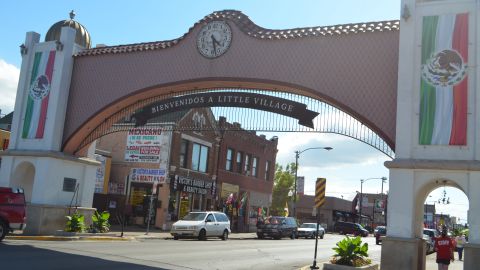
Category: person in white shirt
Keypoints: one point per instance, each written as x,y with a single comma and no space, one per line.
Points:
460,243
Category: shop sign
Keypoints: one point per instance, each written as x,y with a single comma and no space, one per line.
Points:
147,175
143,145
100,174
196,186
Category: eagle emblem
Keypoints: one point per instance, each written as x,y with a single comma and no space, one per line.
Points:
444,68
40,88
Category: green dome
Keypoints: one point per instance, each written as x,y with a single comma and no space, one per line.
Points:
82,37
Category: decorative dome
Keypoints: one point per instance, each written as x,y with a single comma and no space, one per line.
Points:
82,36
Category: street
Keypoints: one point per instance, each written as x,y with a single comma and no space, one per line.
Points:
170,254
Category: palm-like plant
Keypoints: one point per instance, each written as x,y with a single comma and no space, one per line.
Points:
350,251
100,222
75,223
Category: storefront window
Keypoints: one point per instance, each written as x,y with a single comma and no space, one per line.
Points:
199,157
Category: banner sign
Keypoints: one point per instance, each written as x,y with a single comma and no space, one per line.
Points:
196,186
444,80
227,99
100,175
147,175
143,145
38,94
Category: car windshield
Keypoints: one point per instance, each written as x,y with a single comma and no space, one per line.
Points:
360,227
274,220
308,225
381,230
195,216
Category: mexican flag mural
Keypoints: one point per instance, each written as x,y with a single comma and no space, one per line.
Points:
39,92
444,86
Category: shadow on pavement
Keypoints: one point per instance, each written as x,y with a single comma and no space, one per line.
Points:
26,257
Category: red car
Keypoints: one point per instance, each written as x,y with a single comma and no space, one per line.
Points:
12,210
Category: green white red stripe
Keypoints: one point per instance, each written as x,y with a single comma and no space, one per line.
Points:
36,110
443,108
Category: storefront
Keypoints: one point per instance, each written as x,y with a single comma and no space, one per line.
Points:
189,194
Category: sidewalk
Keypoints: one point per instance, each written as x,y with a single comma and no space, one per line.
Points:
130,233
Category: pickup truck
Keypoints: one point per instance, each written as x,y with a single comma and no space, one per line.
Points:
12,210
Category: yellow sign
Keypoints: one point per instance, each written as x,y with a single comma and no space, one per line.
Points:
320,186
184,206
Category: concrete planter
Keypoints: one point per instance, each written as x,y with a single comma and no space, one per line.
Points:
329,266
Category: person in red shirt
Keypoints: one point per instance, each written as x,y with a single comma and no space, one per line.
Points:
445,247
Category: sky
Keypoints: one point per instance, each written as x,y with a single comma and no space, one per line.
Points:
125,22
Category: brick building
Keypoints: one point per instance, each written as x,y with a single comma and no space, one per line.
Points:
245,174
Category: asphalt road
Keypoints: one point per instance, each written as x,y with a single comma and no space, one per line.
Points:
170,254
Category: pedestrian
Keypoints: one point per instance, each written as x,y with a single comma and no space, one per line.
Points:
460,243
445,247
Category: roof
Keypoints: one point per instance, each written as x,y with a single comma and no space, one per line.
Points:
248,27
7,119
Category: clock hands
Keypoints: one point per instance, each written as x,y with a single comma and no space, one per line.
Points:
215,41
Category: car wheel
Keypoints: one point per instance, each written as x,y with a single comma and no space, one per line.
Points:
225,235
175,238
260,235
293,236
321,236
3,230
202,235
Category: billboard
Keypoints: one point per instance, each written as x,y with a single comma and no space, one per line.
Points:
144,145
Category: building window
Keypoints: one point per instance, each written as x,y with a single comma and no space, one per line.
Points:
267,170
229,164
183,153
239,162
247,164
254,166
199,157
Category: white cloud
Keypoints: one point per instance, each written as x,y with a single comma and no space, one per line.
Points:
8,86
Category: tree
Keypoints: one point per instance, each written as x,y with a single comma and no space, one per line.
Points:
283,183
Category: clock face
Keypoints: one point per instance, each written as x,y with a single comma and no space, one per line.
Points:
214,39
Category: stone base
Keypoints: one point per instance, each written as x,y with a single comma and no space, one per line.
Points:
48,219
329,266
403,253
471,256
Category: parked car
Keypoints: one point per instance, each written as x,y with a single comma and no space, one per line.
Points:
433,235
430,243
202,225
277,227
379,232
349,228
12,210
309,230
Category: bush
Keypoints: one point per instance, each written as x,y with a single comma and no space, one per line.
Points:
100,222
351,252
75,223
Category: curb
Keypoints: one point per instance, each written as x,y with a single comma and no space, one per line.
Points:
69,238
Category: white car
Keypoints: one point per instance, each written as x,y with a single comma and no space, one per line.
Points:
307,230
202,225
430,243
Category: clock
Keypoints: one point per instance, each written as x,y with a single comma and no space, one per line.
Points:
214,39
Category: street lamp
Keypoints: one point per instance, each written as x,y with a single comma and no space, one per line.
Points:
361,193
297,155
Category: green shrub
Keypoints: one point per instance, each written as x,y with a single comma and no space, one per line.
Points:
350,251
100,222
75,223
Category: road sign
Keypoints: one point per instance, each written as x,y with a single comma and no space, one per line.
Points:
320,186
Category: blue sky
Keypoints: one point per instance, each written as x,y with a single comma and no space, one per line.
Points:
123,22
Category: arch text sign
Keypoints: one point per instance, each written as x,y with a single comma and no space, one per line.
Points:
261,102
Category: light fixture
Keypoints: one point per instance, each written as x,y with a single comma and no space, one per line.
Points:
444,199
23,49
405,12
